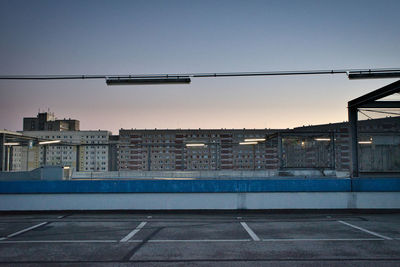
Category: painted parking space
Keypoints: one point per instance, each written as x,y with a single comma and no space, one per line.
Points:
389,228
80,231
301,230
12,229
210,239
253,252
192,231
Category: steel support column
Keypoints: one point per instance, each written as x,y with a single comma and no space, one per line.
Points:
8,158
3,152
44,155
78,156
280,152
149,158
353,117
333,165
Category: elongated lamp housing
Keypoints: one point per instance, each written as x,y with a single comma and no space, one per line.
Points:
146,81
372,75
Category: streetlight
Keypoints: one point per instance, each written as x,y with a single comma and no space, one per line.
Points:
353,75
145,81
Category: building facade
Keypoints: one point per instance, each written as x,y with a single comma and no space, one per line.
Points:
196,150
80,150
46,121
378,144
320,147
113,152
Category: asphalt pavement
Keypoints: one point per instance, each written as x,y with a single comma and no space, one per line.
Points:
199,239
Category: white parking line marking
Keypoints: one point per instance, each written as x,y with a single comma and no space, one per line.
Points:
250,232
320,239
198,240
134,232
365,230
60,217
57,241
193,241
24,230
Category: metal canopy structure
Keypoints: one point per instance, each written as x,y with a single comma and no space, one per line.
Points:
9,140
370,100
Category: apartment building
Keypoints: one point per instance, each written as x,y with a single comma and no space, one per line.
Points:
196,149
318,147
46,121
80,150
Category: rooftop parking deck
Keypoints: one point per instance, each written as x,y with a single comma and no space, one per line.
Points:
190,239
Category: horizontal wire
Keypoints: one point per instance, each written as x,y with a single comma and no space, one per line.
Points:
198,75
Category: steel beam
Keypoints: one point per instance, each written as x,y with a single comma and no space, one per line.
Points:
381,104
375,95
353,118
2,155
78,157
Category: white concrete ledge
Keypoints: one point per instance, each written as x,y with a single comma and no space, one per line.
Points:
197,201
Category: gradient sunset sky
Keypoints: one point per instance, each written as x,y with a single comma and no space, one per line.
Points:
143,37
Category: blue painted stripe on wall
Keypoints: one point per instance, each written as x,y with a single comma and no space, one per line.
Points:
174,186
376,184
203,186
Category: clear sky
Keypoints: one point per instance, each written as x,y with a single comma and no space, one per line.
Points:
140,37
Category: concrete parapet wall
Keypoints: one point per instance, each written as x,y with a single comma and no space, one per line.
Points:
174,174
21,176
324,193
42,173
200,201
220,174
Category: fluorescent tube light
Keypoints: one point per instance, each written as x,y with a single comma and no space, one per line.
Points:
12,144
322,139
195,145
49,142
248,143
254,140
